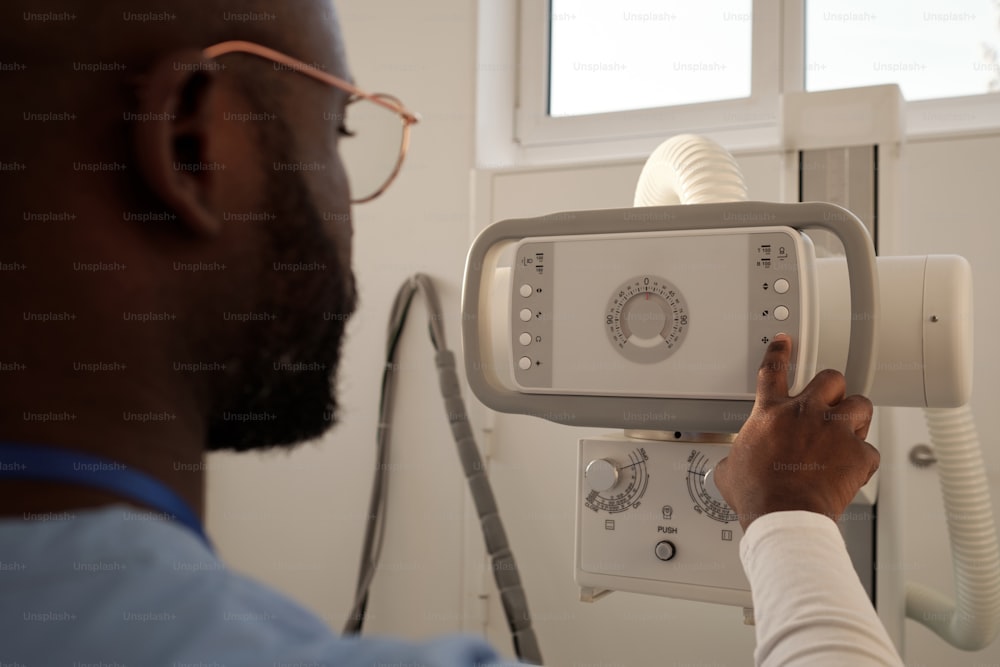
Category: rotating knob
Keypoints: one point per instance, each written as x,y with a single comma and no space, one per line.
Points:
711,489
601,475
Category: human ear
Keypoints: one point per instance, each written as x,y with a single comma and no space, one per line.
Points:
172,135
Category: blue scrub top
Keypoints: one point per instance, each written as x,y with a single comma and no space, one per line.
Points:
119,585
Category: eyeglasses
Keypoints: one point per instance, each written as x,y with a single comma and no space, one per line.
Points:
381,124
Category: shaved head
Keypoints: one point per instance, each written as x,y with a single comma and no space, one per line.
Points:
81,51
178,224
133,30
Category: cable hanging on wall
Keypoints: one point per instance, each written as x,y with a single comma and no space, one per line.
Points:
505,572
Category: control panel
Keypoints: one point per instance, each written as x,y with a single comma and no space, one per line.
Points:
650,520
656,319
664,314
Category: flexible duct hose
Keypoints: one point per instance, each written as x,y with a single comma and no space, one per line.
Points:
688,169
972,621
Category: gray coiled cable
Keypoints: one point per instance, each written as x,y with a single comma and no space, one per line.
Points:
505,572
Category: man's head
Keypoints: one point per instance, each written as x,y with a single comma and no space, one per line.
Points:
189,216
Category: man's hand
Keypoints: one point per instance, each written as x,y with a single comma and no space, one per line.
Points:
802,453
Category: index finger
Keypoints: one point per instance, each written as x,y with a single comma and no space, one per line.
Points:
772,378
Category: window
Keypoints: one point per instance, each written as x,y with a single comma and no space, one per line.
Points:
621,46
614,56
930,48
606,80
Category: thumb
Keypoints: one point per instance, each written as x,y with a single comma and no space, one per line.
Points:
721,473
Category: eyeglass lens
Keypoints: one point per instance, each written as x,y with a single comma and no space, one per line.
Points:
372,152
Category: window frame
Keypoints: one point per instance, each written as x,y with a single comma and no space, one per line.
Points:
534,127
746,124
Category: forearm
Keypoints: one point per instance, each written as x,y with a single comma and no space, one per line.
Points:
809,606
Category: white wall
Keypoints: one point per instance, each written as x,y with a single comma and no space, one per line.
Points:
296,520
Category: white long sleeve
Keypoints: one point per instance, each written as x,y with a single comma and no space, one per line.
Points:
809,605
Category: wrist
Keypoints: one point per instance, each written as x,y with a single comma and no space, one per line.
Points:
751,514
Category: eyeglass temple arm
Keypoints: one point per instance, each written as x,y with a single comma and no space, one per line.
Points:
241,46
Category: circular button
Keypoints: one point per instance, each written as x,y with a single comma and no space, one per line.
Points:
781,285
665,550
524,363
781,313
525,314
525,339
526,290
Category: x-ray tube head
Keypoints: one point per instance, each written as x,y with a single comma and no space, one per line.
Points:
655,318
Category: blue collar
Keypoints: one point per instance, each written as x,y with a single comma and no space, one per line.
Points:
23,461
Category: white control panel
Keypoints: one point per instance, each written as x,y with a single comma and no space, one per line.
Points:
650,520
656,319
664,314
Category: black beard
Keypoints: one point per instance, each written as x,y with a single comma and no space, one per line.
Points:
279,386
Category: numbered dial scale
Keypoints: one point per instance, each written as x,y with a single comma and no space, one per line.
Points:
701,486
617,487
646,319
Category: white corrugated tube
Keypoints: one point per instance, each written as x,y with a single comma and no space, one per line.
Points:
972,620
689,169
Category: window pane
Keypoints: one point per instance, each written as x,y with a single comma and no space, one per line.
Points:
617,55
930,48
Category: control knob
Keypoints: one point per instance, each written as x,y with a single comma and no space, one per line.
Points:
601,475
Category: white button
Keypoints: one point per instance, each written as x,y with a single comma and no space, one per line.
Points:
525,314
781,313
525,339
526,290
780,285
524,363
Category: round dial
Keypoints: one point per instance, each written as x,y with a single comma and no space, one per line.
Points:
646,319
627,484
601,475
704,493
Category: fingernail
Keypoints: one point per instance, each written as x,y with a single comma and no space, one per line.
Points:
778,337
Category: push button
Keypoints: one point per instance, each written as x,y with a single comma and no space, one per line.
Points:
665,550
526,290
781,285
781,313
525,339
525,314
524,363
